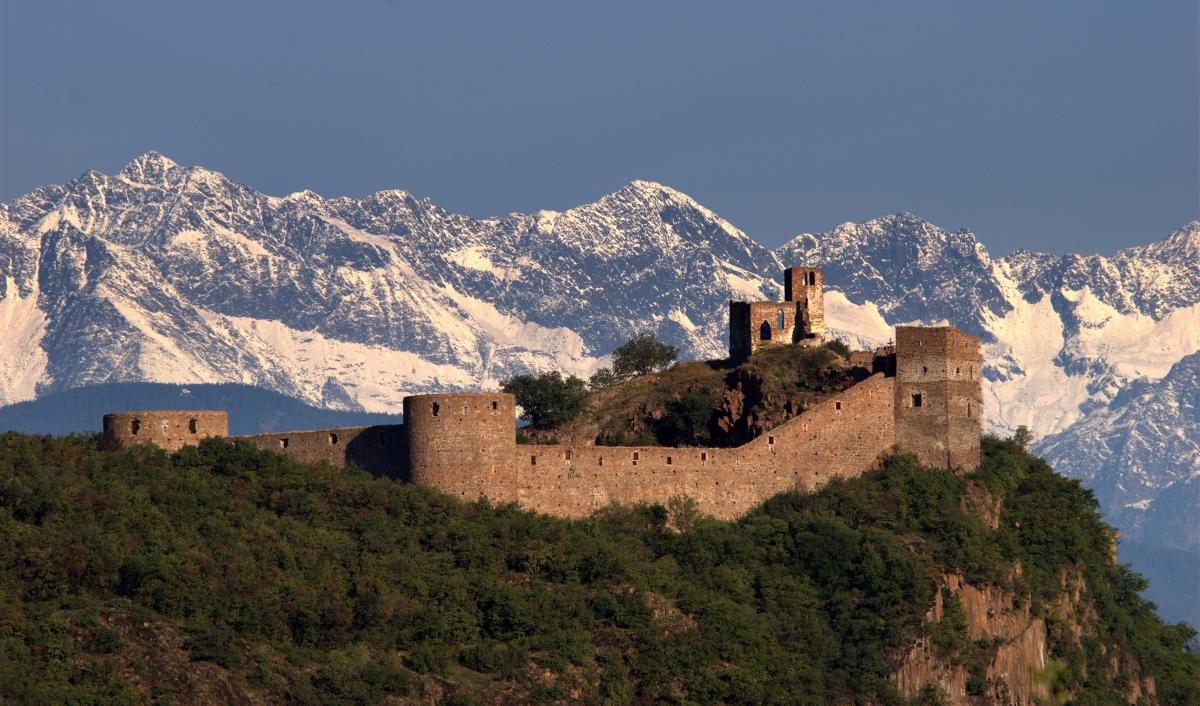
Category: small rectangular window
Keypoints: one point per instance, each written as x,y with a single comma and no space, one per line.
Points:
495,405
703,456
837,406
533,460
283,443
567,455
333,439
436,408
916,400
192,425
668,460
770,441
135,426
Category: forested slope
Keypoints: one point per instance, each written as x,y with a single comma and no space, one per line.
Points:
223,574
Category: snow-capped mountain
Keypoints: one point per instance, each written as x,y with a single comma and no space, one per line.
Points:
166,273
1063,334
178,274
1140,453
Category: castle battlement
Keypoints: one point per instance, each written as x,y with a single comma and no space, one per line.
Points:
924,397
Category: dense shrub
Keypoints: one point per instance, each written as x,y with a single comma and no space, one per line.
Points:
839,347
686,421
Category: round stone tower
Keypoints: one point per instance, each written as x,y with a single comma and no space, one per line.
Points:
170,429
463,443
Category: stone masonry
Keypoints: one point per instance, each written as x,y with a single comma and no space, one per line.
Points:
171,430
799,319
924,397
939,395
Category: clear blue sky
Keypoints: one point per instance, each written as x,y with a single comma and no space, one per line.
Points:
1060,126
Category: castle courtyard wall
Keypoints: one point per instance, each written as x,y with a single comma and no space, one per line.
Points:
841,437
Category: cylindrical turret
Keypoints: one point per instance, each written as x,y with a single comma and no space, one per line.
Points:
170,429
463,443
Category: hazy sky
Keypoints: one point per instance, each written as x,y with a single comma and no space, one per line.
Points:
1050,125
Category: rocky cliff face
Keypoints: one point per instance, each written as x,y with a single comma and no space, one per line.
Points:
1012,662
1018,651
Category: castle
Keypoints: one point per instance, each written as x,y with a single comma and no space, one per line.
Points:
923,396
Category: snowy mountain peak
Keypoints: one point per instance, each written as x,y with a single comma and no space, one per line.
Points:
304,196
148,168
1182,246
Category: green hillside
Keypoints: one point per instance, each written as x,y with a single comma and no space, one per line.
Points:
223,574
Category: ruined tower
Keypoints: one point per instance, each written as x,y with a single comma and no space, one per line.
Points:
938,396
799,319
169,429
806,287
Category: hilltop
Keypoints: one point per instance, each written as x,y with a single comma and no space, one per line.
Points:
709,403
224,574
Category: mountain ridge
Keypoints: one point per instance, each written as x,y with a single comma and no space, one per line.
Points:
176,274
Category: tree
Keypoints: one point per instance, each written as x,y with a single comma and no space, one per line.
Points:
602,378
1022,436
641,355
548,399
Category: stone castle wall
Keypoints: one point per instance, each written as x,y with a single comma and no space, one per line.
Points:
464,445
750,320
841,437
373,448
924,397
169,429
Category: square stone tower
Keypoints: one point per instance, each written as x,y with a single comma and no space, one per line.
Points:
939,395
